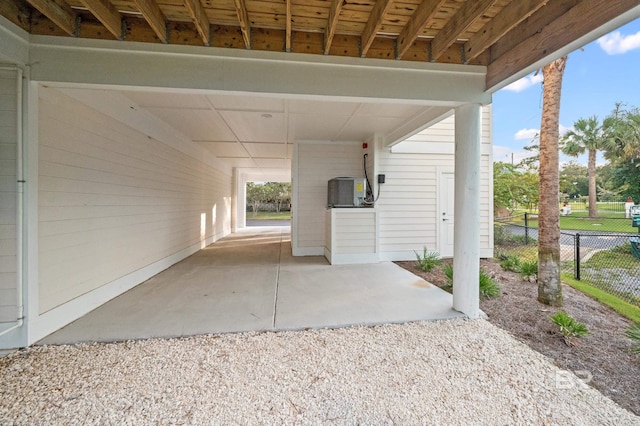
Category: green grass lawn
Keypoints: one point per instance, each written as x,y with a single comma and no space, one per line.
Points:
269,216
579,221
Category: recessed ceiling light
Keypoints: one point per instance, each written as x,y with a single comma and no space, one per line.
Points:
267,115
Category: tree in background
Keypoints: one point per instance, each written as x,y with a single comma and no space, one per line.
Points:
588,135
277,193
513,187
623,151
574,180
256,195
549,285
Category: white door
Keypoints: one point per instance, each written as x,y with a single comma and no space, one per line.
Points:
445,214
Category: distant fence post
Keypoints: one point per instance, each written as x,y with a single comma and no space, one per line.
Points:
526,228
577,256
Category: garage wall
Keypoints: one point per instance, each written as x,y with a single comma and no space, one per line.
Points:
316,163
8,195
113,200
408,200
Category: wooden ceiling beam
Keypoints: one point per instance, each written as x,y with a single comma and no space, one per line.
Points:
374,23
556,34
330,31
287,40
457,25
154,16
60,13
423,14
245,24
199,17
506,20
107,14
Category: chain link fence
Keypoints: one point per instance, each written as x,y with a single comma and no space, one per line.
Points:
608,260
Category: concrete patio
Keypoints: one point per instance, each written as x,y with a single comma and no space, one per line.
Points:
249,281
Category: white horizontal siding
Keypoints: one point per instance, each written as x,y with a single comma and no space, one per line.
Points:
113,200
408,199
8,195
354,232
317,164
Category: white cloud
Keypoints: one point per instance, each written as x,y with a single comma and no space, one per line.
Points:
506,154
526,134
616,44
531,134
564,130
524,83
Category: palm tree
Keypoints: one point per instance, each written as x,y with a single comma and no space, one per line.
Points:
588,135
549,286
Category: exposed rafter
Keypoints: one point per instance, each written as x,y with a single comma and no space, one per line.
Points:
374,23
154,16
245,24
508,18
458,24
199,16
60,14
107,14
334,16
553,35
422,15
287,41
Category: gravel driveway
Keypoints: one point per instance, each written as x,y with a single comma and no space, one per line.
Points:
449,372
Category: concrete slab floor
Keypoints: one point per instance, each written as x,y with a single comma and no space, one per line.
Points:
250,281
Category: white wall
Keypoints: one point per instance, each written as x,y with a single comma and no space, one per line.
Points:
113,200
8,195
408,200
408,217
315,163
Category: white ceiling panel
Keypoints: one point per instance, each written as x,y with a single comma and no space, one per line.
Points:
266,150
240,162
315,127
225,149
168,100
272,163
389,110
256,126
315,107
246,103
198,125
360,128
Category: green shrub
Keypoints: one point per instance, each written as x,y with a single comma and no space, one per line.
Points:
488,286
529,269
428,260
633,332
568,325
510,263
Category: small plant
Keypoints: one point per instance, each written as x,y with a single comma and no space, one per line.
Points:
633,333
529,269
510,262
488,286
568,325
428,260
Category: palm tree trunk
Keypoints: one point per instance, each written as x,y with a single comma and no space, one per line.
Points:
549,286
591,169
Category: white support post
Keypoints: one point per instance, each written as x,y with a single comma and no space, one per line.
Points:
466,240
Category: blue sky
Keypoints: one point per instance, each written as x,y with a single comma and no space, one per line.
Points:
603,73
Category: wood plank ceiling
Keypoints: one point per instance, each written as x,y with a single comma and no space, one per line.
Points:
504,35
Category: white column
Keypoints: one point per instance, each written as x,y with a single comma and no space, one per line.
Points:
466,240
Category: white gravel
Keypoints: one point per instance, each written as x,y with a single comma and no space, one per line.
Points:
450,372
